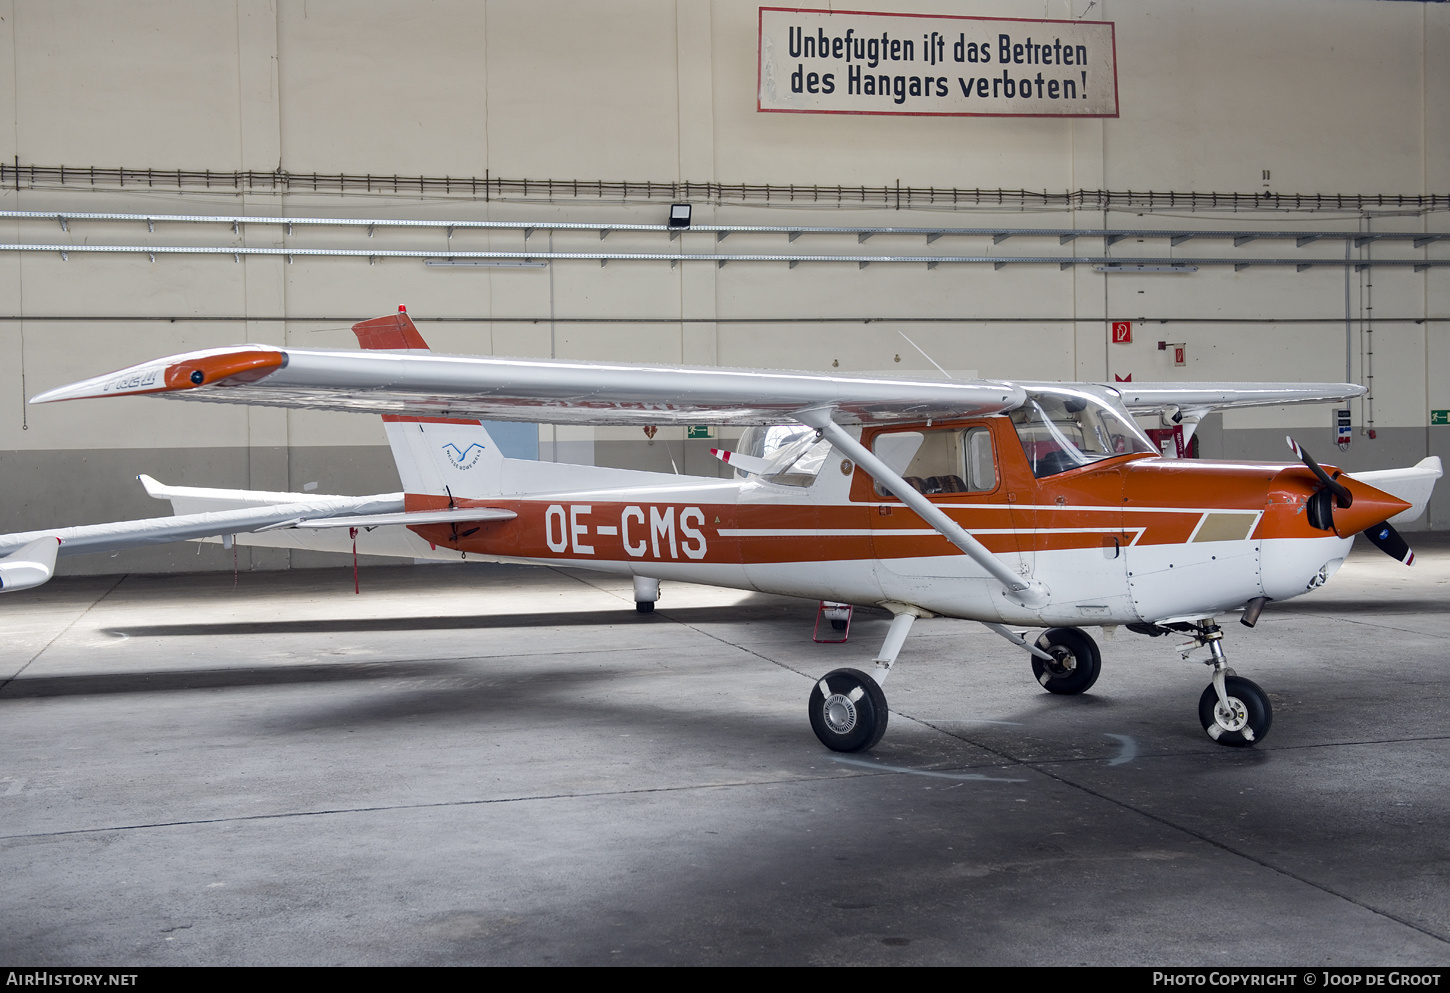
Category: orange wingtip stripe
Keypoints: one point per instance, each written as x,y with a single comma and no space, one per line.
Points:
233,367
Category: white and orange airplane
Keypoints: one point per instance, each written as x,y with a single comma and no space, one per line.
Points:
1018,505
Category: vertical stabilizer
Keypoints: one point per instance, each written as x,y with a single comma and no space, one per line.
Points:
436,456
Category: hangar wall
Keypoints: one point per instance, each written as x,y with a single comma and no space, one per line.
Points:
1342,97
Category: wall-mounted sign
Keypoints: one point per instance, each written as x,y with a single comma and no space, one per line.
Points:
853,62
1440,417
1122,332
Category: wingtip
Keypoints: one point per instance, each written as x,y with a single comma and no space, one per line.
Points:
176,373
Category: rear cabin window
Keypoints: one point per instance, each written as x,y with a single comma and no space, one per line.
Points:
792,446
953,460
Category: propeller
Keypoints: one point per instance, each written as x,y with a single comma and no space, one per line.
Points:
1321,510
1388,540
1342,496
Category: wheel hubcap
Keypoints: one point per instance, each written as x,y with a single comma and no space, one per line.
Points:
1234,717
1065,665
840,714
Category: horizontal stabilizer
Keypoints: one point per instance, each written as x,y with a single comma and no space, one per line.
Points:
195,499
458,515
1413,485
1143,398
158,530
30,566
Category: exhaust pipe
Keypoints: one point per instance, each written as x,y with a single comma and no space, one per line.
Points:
1252,609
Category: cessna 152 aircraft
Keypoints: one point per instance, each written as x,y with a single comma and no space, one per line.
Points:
1019,505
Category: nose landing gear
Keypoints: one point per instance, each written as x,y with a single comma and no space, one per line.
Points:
1233,711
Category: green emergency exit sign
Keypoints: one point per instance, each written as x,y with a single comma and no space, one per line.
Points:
700,431
1440,417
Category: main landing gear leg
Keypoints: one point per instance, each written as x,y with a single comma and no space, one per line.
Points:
847,706
646,592
1233,711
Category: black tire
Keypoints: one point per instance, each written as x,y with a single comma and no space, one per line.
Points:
1078,661
1248,725
838,625
644,606
848,710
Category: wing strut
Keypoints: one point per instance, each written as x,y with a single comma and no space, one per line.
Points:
1030,593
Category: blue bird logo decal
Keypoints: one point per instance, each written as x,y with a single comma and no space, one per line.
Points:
463,458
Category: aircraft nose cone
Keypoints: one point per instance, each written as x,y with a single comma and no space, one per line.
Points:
1369,507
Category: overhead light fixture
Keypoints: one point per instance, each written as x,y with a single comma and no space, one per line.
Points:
679,215
1145,268
487,263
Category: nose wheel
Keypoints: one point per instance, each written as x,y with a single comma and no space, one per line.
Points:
1233,711
1240,716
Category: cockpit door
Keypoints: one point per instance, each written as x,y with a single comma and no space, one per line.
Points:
1067,504
956,467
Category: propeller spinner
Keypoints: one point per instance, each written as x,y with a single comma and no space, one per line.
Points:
1334,494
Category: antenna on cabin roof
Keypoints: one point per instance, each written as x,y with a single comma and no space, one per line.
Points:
924,355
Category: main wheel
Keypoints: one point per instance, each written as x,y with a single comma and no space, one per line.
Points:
1076,664
848,710
644,606
1247,719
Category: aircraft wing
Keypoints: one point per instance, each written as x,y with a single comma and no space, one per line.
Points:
1142,398
423,384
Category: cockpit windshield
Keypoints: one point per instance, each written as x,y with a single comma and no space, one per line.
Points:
1065,429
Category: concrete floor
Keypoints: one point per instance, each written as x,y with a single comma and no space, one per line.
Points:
508,765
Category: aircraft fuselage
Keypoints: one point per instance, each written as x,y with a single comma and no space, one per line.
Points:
1126,540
